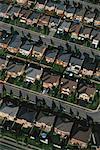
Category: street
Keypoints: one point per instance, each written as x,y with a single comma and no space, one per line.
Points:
83,112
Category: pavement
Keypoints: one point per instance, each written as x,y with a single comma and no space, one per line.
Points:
83,112
56,41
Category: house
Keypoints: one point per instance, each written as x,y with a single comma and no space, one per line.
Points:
95,37
69,11
86,92
63,126
75,65
88,67
89,16
63,59
45,121
13,11
5,38
68,86
15,69
43,21
59,8
38,51
82,137
26,113
54,22
23,15
79,14
3,9
50,7
74,30
33,18
9,109
26,48
97,71
85,32
97,21
14,44
32,74
2,63
40,5
64,27
50,54
50,80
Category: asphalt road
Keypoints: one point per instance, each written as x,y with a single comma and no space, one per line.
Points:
83,112
56,41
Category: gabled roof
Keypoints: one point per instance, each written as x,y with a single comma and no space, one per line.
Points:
15,41
3,7
66,83
76,61
14,67
27,46
80,12
63,124
34,15
89,64
26,113
51,53
14,9
64,56
47,119
33,72
50,78
86,89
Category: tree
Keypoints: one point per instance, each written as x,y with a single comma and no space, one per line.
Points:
4,90
20,95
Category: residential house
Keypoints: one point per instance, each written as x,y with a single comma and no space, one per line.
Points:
75,65
63,59
63,126
3,9
53,23
14,44
13,11
50,80
24,14
45,121
50,54
50,8
2,63
97,71
97,21
68,86
64,27
86,92
9,109
32,74
95,37
59,8
85,33
74,30
26,113
40,5
88,67
26,48
82,137
15,69
43,21
5,38
69,11
38,51
79,14
33,18
89,16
